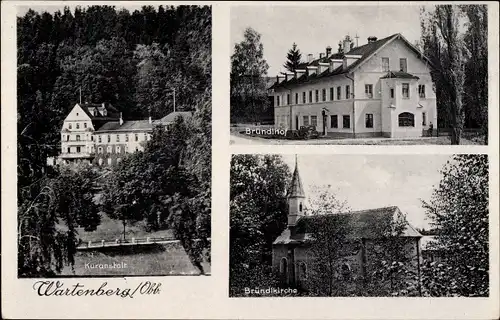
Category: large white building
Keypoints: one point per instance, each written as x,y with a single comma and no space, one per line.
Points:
96,133
382,88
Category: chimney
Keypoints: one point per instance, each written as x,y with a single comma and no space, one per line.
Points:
121,119
372,39
328,51
310,57
347,44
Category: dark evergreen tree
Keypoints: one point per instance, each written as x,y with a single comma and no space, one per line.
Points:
293,59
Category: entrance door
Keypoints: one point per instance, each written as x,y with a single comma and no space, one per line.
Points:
296,122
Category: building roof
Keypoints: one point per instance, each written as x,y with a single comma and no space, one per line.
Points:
368,224
131,125
171,117
296,189
365,51
399,74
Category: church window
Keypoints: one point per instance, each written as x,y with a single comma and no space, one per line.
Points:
284,268
406,119
300,207
303,271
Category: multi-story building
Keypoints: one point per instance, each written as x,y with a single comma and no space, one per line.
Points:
97,133
382,88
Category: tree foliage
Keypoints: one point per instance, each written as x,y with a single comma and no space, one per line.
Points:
458,209
248,78
293,58
51,210
458,68
258,207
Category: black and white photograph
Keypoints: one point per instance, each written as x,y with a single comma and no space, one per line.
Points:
113,140
359,225
359,75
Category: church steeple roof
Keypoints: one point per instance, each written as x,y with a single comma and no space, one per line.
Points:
296,189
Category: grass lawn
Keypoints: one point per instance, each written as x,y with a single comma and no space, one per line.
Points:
172,259
110,230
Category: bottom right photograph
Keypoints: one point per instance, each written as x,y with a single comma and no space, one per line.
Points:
370,225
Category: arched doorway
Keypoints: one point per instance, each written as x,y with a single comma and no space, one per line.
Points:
284,270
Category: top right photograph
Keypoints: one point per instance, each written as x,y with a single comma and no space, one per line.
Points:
359,75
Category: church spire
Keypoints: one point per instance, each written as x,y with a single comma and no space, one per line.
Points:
296,189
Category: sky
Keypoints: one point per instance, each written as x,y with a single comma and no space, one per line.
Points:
373,181
314,27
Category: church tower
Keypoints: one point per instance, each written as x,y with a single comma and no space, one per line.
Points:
296,198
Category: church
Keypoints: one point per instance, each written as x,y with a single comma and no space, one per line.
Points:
380,89
292,257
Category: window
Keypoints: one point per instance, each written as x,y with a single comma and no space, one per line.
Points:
101,161
369,91
92,149
67,138
78,126
85,125
323,95
300,207
402,65
306,120
117,138
347,92
77,137
69,150
334,121
109,138
304,97
310,96
100,139
99,150
424,119
314,121
406,90
392,92
331,94
421,90
69,126
346,121
91,138
296,98
288,102
109,149
339,93
283,266
369,120
277,101
406,119
78,149
136,137
385,64
77,113
126,149
316,96
118,149
145,136
109,161
126,137
118,160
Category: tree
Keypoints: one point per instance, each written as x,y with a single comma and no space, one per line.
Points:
476,75
444,45
293,59
248,84
458,209
48,215
258,214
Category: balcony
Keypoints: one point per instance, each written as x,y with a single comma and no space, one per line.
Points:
76,155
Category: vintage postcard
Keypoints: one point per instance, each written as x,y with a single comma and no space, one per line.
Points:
348,168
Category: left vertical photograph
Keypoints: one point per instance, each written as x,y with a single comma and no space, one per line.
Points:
114,108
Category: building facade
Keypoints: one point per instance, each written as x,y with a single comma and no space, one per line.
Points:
97,134
382,88
293,259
